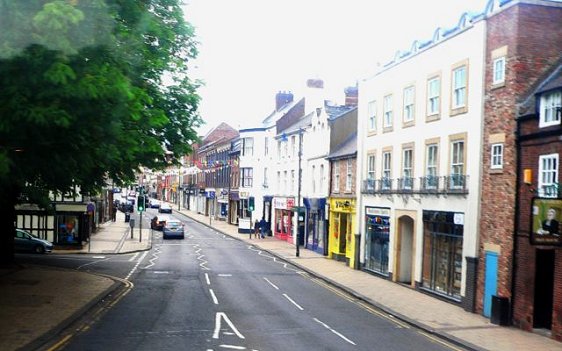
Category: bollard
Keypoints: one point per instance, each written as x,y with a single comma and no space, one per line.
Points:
132,225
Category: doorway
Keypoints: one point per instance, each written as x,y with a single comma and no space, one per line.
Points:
490,282
405,250
544,289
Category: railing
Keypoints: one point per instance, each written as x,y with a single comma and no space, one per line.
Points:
451,184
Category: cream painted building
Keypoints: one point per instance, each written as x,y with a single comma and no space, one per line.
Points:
419,163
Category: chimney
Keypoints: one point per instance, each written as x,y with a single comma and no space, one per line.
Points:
282,98
351,96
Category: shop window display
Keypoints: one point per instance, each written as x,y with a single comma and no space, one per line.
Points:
377,243
68,229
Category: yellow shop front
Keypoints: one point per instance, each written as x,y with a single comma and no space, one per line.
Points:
341,238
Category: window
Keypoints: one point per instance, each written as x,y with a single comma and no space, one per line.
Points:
457,164
551,105
433,92
321,178
459,87
265,180
387,108
278,180
349,175
372,114
431,166
371,172
548,175
246,177
336,176
285,149
285,189
266,147
497,156
279,149
247,146
313,179
293,146
292,181
386,168
409,94
499,70
407,168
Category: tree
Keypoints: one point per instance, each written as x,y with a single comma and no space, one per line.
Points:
90,91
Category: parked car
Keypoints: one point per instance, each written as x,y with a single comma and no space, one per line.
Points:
158,223
173,229
154,203
25,241
165,208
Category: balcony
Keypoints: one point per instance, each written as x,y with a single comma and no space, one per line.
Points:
436,185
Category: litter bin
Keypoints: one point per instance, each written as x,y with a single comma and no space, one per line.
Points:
127,216
500,310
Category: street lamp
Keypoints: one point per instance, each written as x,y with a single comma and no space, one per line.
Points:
179,187
299,192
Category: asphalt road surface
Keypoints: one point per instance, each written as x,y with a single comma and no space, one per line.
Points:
212,292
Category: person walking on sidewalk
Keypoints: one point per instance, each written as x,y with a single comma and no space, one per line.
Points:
114,212
263,224
256,229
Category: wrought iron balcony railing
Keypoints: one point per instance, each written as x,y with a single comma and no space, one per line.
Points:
451,184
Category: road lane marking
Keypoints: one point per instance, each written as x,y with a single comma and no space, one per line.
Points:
270,283
334,331
89,263
134,256
98,256
224,275
137,265
154,258
207,279
232,347
215,300
293,302
161,272
220,316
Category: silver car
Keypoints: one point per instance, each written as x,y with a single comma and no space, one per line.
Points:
25,241
173,229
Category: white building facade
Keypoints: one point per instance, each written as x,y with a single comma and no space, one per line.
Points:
419,163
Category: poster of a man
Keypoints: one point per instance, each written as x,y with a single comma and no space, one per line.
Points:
546,214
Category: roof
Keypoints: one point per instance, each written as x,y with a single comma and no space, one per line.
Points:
304,122
270,120
337,111
552,81
346,149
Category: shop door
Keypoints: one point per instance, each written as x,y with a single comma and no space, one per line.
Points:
491,282
544,289
406,250
343,234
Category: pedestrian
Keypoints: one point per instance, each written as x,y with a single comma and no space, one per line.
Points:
256,229
114,212
263,225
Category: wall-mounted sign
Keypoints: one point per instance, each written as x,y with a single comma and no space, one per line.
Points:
546,216
377,211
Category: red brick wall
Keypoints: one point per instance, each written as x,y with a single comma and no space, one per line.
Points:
533,35
342,165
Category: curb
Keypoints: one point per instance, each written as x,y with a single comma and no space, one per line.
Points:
54,334
453,340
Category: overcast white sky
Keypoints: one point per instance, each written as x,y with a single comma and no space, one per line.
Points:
251,49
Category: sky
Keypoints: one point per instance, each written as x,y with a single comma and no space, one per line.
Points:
251,49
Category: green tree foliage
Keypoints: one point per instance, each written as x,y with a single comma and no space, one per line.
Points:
90,91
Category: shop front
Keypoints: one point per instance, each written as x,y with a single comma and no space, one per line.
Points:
267,206
222,203
233,200
341,230
315,224
283,218
245,222
377,239
442,253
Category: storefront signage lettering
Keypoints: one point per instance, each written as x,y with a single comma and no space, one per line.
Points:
377,211
244,195
283,203
459,218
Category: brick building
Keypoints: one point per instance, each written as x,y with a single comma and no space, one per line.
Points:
523,44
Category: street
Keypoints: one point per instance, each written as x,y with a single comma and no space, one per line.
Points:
212,292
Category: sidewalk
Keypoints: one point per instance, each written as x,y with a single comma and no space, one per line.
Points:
37,302
115,237
426,312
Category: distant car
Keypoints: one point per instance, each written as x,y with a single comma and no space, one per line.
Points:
165,208
154,203
158,223
25,241
173,229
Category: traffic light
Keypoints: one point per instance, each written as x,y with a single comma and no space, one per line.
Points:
251,203
140,203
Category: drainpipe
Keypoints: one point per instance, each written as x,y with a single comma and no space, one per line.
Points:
516,220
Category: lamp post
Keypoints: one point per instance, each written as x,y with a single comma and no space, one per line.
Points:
299,193
179,187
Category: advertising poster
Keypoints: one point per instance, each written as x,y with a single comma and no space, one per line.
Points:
546,219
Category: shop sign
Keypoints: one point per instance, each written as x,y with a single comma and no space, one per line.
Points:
342,205
377,211
283,203
545,225
244,195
